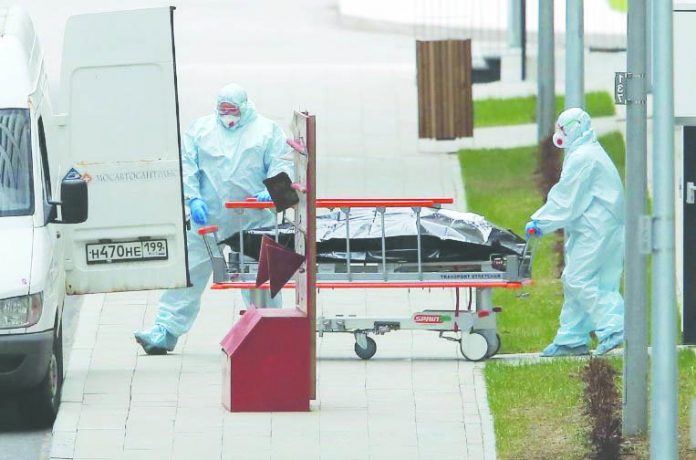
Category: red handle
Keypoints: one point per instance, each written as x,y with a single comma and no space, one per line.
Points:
441,200
209,229
332,203
376,203
249,204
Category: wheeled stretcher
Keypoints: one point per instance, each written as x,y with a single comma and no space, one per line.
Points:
377,256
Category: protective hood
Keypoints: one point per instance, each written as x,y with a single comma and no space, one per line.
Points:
574,127
235,94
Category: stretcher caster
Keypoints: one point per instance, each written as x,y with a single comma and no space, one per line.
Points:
366,350
493,346
474,346
493,340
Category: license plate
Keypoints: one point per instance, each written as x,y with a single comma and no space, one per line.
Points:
127,251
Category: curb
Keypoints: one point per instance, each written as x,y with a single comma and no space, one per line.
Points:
65,426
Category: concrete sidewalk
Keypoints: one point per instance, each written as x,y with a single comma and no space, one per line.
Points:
415,399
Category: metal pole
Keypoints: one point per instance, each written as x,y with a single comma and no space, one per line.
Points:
546,82
523,37
635,371
649,50
663,435
242,264
384,244
514,30
419,244
575,56
347,212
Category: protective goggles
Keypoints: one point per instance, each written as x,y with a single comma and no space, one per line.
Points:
227,108
566,128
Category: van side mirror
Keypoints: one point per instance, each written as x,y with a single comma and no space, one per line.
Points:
73,204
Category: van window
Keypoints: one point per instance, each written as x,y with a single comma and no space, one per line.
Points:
49,209
16,182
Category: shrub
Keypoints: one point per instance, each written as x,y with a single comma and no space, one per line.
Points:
602,408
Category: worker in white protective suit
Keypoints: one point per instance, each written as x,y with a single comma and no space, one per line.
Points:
226,156
588,203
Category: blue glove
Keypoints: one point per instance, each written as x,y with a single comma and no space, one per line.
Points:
199,211
263,196
532,229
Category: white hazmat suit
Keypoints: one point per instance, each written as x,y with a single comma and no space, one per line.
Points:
224,158
588,203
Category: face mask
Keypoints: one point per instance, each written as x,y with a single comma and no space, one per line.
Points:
229,120
559,139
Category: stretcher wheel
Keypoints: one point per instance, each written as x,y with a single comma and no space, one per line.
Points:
493,346
366,353
474,347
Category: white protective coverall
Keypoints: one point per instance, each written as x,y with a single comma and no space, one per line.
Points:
588,203
220,163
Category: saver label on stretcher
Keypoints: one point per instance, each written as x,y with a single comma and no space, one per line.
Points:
430,319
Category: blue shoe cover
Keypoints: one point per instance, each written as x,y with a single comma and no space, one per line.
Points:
156,340
563,350
609,343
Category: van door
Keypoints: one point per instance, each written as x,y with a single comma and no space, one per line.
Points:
119,128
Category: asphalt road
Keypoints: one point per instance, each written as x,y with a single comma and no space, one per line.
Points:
17,440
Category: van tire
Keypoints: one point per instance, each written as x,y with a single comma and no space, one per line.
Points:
43,401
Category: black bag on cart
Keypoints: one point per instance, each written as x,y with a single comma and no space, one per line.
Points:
447,236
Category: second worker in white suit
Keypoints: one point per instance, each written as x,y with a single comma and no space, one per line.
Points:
588,203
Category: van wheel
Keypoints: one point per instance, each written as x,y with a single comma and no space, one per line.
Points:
43,401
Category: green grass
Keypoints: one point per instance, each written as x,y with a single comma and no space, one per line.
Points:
501,185
619,5
521,110
687,392
537,408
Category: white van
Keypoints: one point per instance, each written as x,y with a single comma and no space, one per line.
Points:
114,137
